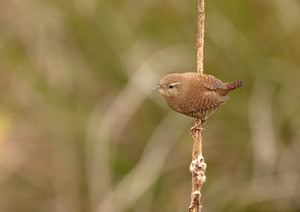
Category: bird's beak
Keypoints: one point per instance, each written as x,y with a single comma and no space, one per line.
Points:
157,87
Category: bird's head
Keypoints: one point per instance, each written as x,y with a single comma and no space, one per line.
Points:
170,86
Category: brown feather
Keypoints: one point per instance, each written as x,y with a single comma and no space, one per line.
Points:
195,95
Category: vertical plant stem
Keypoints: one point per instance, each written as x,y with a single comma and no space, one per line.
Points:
198,166
200,36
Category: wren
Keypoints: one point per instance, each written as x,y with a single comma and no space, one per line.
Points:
195,95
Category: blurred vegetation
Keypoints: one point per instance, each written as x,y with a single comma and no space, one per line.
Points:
81,129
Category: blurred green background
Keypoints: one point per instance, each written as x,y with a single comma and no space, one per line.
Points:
81,129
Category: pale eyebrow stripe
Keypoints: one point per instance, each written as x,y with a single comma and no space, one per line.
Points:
176,83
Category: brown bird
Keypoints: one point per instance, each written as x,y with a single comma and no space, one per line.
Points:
195,95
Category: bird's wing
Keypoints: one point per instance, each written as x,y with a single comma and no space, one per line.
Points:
209,99
212,83
204,105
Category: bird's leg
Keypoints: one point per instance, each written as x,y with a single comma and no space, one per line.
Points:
197,126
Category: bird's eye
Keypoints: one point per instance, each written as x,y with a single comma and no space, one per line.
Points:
171,86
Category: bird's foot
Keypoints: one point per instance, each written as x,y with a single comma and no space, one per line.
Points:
197,127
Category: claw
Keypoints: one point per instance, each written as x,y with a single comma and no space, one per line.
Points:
197,127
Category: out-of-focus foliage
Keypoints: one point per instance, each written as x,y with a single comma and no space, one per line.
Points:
81,129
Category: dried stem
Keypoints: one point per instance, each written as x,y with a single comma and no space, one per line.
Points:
198,166
200,36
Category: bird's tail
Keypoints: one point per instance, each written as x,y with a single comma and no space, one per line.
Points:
233,85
